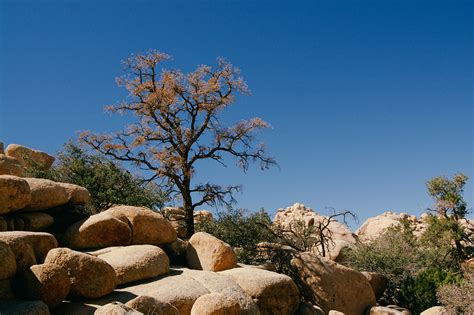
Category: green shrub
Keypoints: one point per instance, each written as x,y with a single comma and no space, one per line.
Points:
108,183
240,229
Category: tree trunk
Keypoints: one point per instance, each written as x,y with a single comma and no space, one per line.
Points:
188,213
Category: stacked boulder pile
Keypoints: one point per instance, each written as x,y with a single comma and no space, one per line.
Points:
125,260
341,235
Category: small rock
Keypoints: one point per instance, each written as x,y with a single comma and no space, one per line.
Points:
206,252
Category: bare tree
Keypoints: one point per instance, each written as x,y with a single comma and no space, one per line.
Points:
178,125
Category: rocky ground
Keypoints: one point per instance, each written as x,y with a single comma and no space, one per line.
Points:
131,260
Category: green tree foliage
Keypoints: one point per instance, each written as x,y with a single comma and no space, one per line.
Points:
108,183
240,229
417,266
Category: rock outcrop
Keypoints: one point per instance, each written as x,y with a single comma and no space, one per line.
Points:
46,194
341,235
206,252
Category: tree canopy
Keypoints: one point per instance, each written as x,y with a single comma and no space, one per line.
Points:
178,124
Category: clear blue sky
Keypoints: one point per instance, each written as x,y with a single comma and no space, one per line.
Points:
367,99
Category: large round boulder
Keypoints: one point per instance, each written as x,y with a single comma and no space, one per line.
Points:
99,230
148,227
206,252
331,285
29,157
90,276
215,304
30,248
49,283
137,262
15,193
150,305
10,166
7,261
274,293
46,194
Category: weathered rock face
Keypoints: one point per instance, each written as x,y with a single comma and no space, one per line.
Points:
15,193
10,166
7,261
206,252
332,286
274,293
90,276
46,194
30,248
215,304
47,282
378,282
150,305
29,157
341,234
137,262
99,230
148,227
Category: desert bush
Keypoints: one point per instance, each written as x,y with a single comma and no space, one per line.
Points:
108,183
457,297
